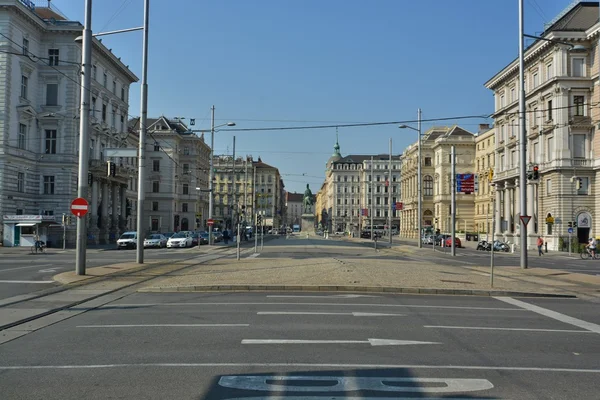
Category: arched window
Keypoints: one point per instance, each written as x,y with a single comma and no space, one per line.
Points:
427,186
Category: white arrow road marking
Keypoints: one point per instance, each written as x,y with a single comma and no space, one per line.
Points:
334,296
355,314
47,270
26,281
254,255
31,266
372,342
161,326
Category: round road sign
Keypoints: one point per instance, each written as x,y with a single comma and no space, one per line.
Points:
79,207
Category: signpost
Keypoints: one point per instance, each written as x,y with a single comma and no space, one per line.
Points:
79,207
570,230
210,222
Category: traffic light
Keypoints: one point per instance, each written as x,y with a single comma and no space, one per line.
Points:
258,219
112,169
536,172
574,224
68,219
90,178
570,224
579,183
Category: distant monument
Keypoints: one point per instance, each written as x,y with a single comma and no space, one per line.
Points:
308,217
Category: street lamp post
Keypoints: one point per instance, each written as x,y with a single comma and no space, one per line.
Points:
419,176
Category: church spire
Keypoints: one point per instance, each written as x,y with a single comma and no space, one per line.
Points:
336,148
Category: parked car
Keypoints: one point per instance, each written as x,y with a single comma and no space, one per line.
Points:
128,240
195,238
365,235
180,239
218,236
427,239
155,240
168,234
203,237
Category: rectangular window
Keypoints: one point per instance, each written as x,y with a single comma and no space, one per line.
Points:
155,206
104,113
52,94
22,139
156,146
502,101
578,105
549,111
186,168
50,141
186,150
502,162
114,118
428,161
155,165
94,72
123,93
122,123
48,184
105,80
186,188
115,87
579,146
513,96
24,84
578,65
535,80
548,187
184,207
25,47
155,186
20,182
53,57
549,71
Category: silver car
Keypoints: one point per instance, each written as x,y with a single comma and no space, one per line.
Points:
155,240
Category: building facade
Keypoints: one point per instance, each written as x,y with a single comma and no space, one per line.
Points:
437,182
177,176
485,144
561,96
294,208
39,100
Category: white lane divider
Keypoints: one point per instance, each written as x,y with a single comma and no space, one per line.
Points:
28,267
372,342
163,326
354,314
43,282
551,314
506,329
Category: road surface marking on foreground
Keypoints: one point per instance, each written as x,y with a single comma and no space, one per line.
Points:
313,304
332,296
506,329
372,342
551,314
355,314
26,281
284,397
254,255
29,267
245,366
162,326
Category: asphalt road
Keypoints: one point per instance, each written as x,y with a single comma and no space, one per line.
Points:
293,346
23,272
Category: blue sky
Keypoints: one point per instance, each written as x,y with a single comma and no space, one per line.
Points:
284,63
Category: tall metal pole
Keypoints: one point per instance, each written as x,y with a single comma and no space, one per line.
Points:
255,211
420,182
453,200
211,174
237,214
522,139
142,141
372,208
84,136
233,194
492,250
390,193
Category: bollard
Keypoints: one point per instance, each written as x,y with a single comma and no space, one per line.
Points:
545,247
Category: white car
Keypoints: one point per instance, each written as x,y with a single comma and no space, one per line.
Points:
155,240
180,239
128,240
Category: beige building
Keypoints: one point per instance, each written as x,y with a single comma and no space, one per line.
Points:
437,182
293,208
484,168
238,194
561,85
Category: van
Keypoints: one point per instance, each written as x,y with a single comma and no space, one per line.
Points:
128,240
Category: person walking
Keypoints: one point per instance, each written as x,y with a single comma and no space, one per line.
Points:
540,243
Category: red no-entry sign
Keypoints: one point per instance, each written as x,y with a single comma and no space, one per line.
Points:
210,222
79,207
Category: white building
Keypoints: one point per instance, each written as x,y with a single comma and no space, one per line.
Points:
39,127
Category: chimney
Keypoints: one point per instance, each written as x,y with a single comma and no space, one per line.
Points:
483,127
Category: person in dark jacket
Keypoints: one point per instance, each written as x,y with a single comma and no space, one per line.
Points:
226,237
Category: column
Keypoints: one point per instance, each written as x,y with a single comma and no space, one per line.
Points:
123,213
105,218
114,207
517,203
496,211
507,201
530,226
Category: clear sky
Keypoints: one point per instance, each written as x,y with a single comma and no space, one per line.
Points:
286,63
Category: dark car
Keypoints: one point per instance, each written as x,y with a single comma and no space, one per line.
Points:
195,238
365,235
203,237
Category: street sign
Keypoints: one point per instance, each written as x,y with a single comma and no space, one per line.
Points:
570,230
525,219
465,183
79,207
210,222
399,205
549,220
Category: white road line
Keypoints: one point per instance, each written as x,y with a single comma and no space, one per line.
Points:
26,281
354,314
372,342
29,267
315,304
330,296
254,255
245,366
552,314
506,329
162,326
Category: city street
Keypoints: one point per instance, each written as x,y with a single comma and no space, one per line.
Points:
24,272
293,346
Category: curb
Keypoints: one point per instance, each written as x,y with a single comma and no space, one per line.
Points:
370,289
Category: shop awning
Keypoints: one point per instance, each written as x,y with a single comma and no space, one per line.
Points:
26,224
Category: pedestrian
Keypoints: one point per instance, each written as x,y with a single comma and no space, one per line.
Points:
226,236
540,243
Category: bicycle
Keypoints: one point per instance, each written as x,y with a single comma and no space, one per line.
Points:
39,246
586,254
